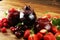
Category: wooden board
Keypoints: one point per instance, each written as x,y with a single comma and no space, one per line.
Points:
39,9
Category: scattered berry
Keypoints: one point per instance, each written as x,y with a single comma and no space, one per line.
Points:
4,30
1,24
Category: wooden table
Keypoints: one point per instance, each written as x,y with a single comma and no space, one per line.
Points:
39,9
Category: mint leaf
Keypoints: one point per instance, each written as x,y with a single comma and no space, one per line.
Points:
58,27
19,24
54,22
58,22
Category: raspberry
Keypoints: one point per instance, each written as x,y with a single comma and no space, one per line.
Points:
4,30
5,24
4,20
1,25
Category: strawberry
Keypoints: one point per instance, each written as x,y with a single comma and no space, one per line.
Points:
4,30
33,37
43,31
54,29
39,35
27,33
49,36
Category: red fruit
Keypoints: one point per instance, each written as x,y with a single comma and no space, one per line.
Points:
49,36
4,30
44,23
33,37
39,35
12,10
57,34
4,20
27,33
5,24
54,29
1,24
0,21
43,31
11,28
18,34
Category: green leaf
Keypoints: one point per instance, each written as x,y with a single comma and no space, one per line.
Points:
19,24
58,27
54,22
58,22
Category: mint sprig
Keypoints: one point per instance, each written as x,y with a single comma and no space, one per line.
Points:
56,22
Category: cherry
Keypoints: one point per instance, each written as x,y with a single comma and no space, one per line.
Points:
18,34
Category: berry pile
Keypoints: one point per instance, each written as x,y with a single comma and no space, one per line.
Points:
25,24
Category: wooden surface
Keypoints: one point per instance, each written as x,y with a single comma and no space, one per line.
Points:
39,9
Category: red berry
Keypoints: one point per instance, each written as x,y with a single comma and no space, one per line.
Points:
5,24
27,33
4,20
54,29
39,35
18,34
4,30
0,21
12,10
49,36
11,28
1,25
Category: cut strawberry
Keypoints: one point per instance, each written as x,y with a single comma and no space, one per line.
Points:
43,31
